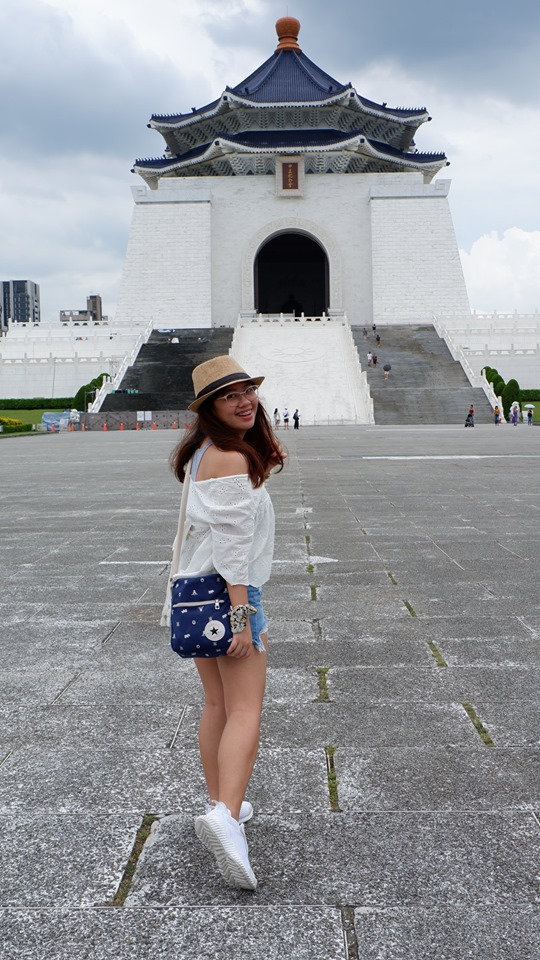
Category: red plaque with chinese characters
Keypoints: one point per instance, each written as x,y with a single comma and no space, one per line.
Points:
290,176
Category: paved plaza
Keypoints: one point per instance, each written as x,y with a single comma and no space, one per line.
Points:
397,792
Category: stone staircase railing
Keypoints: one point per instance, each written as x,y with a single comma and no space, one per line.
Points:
109,385
475,379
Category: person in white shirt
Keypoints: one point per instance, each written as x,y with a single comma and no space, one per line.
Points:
230,529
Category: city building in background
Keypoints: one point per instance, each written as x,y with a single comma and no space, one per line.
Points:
92,314
20,302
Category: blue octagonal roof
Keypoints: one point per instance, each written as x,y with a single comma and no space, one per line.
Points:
288,77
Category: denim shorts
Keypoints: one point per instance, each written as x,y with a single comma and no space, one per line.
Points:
258,621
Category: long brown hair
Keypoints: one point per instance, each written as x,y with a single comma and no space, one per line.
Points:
259,445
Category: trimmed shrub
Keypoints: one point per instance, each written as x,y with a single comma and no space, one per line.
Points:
498,386
10,422
510,393
529,396
17,428
492,374
37,403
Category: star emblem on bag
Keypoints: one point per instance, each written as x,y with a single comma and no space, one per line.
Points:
214,630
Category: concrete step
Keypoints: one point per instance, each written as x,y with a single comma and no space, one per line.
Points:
162,370
425,385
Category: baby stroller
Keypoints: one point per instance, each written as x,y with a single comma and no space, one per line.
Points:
469,419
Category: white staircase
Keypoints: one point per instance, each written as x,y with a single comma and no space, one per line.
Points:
310,363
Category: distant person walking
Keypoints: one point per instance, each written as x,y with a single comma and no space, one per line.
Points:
529,417
374,328
277,419
469,419
515,414
296,419
364,332
387,368
285,419
369,356
378,339
496,414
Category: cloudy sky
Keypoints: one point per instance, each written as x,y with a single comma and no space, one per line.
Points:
79,80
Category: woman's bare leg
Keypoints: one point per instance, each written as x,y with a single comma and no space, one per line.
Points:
211,724
230,723
243,682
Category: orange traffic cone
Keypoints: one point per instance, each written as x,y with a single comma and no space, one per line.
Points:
175,425
121,426
154,426
53,428
105,427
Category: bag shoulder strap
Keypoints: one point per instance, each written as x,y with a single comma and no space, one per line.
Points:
181,532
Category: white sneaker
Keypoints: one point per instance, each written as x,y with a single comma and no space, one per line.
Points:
223,836
246,810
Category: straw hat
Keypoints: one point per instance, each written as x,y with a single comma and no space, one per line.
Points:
211,376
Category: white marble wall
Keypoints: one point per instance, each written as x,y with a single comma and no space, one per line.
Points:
389,240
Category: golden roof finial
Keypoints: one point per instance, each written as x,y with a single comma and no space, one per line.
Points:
287,29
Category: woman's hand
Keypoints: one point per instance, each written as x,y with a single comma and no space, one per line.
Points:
241,644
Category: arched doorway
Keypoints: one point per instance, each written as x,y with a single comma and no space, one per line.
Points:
291,276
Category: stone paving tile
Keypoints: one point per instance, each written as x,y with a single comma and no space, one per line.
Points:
394,933
517,682
33,686
92,850
487,652
100,686
437,779
45,779
512,723
483,605
53,642
475,630
197,932
366,652
139,726
371,859
368,725
399,684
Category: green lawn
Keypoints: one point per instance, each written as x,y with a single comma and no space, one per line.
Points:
26,416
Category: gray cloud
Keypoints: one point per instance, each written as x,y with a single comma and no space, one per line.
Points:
479,46
63,98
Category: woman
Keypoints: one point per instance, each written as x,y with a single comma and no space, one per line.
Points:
230,522
277,419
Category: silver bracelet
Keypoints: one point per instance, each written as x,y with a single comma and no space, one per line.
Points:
238,615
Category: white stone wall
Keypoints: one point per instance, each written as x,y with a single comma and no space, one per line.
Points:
170,276
416,265
56,362
389,240
167,270
51,377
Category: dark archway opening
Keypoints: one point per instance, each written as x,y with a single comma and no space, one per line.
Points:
291,276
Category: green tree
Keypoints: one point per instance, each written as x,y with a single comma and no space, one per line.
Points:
82,398
510,393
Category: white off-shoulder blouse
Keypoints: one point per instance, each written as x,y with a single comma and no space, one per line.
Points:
230,528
